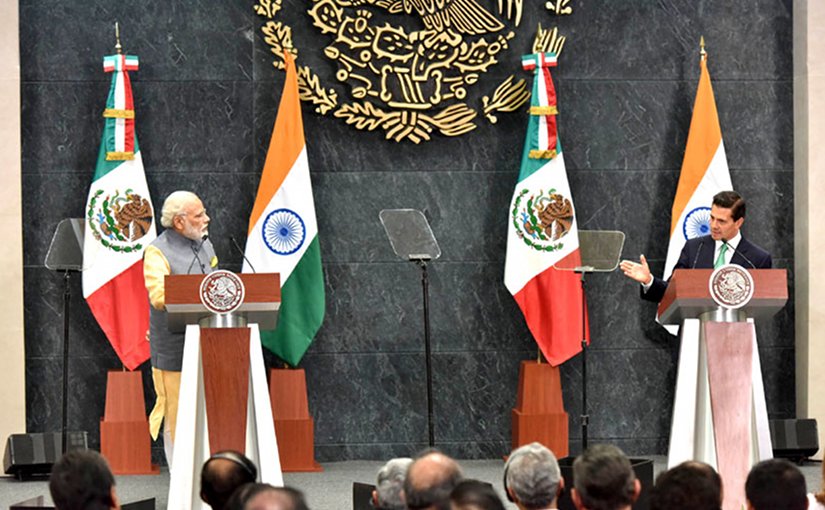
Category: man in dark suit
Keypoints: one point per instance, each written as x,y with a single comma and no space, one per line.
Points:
724,245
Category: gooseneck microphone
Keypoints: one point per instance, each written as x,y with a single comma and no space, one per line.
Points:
753,266
698,251
196,251
238,247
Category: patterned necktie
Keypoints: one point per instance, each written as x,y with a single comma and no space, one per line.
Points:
720,260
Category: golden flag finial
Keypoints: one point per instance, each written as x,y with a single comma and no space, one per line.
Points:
702,53
118,47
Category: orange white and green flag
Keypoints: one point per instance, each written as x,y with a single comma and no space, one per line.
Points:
283,230
119,224
704,173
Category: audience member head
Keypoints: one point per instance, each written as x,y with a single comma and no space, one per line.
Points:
390,484
603,479
776,483
82,480
262,496
222,474
475,495
691,485
430,479
532,478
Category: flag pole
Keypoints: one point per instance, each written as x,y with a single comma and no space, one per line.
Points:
118,47
703,55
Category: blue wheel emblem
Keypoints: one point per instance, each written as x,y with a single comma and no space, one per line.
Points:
697,223
284,231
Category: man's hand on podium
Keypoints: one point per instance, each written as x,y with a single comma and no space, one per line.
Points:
639,272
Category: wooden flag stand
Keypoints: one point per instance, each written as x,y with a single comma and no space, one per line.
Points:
294,427
539,413
124,429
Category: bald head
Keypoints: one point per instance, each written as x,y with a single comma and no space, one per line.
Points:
430,480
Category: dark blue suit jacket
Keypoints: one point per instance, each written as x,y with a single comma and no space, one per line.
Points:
698,254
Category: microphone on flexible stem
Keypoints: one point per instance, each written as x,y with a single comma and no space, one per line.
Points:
197,251
238,247
753,266
696,258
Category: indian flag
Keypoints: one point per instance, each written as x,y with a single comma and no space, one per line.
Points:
704,172
119,225
542,235
283,230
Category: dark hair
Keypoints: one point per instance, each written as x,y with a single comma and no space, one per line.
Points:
691,485
437,491
475,495
730,200
776,483
604,478
244,494
218,483
82,480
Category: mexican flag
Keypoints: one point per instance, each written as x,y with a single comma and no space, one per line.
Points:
283,231
542,234
119,225
704,173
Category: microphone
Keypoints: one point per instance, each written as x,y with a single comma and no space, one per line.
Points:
753,266
696,258
238,247
196,251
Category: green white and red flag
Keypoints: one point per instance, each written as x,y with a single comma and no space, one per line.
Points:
119,225
283,231
543,233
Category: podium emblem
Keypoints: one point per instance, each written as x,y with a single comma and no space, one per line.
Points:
222,291
731,286
284,231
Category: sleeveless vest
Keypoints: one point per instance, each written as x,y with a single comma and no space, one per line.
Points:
166,348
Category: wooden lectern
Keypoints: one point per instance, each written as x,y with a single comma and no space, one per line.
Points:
224,400
719,411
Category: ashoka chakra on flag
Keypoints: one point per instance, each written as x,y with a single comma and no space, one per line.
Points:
283,231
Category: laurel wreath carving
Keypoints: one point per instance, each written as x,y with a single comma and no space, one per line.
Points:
408,84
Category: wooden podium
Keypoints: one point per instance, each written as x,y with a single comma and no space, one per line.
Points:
719,411
224,401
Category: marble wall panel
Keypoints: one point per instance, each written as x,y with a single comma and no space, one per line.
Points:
175,40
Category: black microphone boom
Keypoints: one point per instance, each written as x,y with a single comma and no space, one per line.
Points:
753,266
197,251
238,247
696,258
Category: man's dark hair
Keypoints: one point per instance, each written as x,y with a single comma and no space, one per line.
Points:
691,485
776,483
241,497
730,200
223,473
432,487
82,480
475,495
604,478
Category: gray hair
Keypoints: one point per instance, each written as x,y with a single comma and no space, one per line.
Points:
390,482
532,474
173,206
